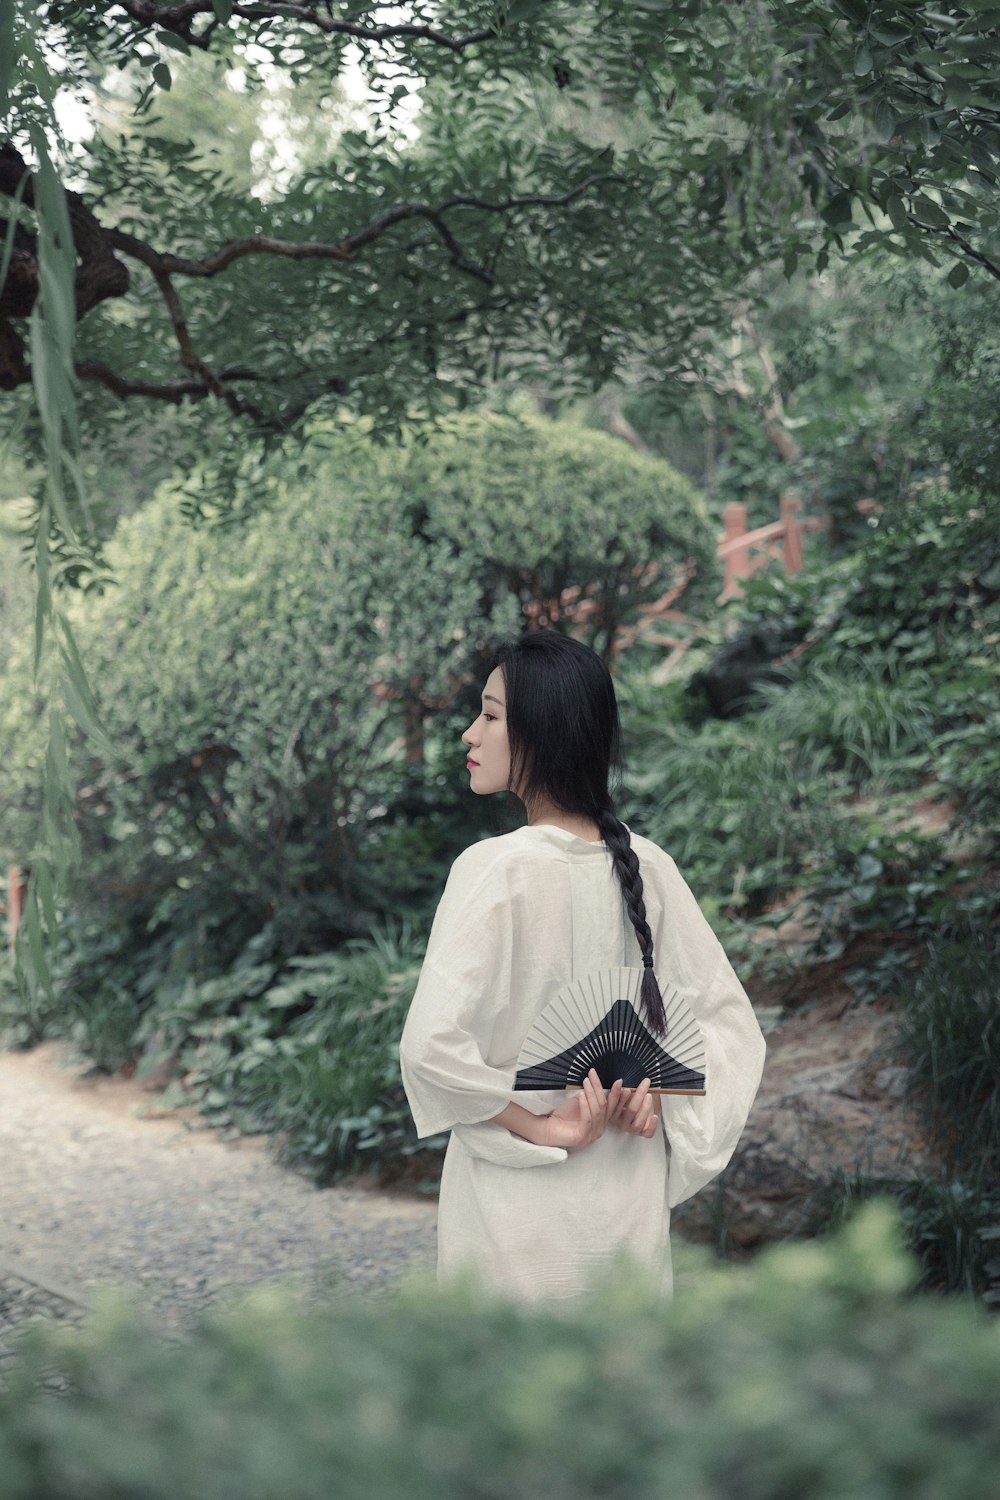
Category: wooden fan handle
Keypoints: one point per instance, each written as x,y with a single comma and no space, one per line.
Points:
692,1093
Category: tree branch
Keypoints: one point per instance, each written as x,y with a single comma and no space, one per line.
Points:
98,275
345,250
180,390
237,404
180,19
969,251
176,392
101,275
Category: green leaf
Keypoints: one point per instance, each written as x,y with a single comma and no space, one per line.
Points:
896,210
169,39
223,10
929,212
522,10
46,893
161,75
8,53
8,244
959,274
31,928
837,212
885,119
76,689
863,61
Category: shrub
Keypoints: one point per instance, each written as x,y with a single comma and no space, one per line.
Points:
865,717
308,1051
741,815
950,1027
266,683
809,1374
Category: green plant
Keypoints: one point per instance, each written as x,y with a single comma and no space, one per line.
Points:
307,1050
951,1225
950,1028
864,716
701,794
809,1373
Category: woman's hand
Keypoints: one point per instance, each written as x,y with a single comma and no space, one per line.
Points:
637,1111
582,1117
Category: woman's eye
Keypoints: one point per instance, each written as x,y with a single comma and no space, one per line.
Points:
491,717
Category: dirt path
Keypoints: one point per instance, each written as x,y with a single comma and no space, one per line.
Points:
93,1195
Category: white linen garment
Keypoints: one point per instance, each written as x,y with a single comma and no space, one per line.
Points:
523,915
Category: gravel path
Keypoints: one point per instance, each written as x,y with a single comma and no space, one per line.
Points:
94,1195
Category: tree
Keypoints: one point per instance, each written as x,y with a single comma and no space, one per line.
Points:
506,237
518,235
284,698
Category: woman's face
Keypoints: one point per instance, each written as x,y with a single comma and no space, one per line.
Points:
486,738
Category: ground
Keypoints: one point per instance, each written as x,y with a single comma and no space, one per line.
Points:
95,1195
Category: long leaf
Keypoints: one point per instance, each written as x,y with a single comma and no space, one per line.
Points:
43,596
77,690
32,963
9,53
8,244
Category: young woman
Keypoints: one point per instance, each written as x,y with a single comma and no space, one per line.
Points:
540,1190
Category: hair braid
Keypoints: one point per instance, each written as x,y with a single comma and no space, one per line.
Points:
626,861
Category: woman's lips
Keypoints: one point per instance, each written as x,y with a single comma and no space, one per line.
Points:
472,762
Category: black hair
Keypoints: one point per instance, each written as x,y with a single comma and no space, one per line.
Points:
565,741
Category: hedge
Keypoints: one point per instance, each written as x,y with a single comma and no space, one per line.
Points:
811,1373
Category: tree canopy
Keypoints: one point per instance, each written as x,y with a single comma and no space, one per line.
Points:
538,190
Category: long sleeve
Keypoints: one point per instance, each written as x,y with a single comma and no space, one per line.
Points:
465,979
703,1132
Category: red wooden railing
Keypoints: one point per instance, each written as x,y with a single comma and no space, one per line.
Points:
743,552
16,892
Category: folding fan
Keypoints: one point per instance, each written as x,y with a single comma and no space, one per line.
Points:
595,1022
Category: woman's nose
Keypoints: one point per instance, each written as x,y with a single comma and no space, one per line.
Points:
467,736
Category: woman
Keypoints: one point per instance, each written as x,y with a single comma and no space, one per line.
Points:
539,1190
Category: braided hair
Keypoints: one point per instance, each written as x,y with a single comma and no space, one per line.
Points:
565,740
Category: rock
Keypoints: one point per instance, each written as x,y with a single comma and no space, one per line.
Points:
832,1106
156,1065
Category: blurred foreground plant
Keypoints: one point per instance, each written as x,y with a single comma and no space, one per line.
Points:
809,1373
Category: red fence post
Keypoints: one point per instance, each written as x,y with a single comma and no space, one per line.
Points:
790,506
734,523
16,892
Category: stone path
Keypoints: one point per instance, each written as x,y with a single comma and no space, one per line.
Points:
94,1195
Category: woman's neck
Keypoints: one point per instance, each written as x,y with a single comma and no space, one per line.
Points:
578,823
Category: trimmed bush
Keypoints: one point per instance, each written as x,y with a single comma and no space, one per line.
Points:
810,1374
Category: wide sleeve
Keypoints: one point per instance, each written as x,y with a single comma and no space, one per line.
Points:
703,1132
464,982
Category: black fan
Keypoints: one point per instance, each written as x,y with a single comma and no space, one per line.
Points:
595,1023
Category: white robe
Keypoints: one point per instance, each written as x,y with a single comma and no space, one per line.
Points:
522,916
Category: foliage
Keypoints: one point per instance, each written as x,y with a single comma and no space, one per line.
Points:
951,1225
809,1373
488,211
236,675
266,686
699,794
950,1026
551,513
307,1051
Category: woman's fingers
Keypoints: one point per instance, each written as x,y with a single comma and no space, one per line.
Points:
635,1111
622,1105
638,1107
596,1104
638,1110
